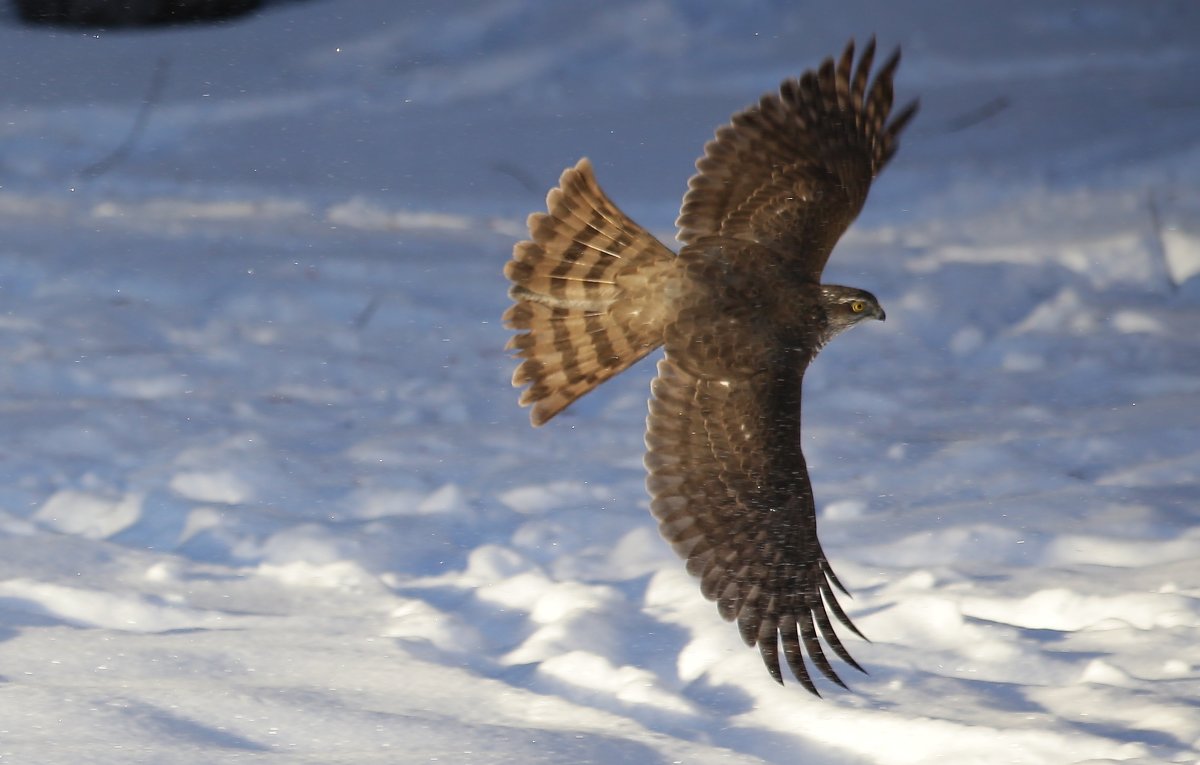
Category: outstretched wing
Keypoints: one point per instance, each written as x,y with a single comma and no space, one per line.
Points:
730,488
792,172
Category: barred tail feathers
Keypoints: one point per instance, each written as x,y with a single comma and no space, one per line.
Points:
583,292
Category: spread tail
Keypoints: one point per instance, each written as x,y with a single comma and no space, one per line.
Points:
585,289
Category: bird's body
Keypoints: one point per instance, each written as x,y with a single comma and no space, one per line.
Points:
740,313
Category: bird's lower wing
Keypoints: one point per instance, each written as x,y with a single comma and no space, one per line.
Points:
731,493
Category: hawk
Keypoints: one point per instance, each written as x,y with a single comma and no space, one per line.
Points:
740,312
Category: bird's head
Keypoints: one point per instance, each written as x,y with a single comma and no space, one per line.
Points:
847,306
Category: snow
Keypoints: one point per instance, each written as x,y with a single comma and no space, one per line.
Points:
265,488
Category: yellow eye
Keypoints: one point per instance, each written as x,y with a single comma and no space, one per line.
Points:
858,306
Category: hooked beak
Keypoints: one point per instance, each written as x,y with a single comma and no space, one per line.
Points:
881,314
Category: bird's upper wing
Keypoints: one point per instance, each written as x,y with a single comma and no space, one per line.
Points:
730,488
792,172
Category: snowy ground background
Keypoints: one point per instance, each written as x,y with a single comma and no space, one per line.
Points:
265,490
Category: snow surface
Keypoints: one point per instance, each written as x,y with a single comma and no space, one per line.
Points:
265,490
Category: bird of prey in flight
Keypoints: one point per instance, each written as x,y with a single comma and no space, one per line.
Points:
740,312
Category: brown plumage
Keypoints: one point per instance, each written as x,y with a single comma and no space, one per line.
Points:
583,287
740,312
